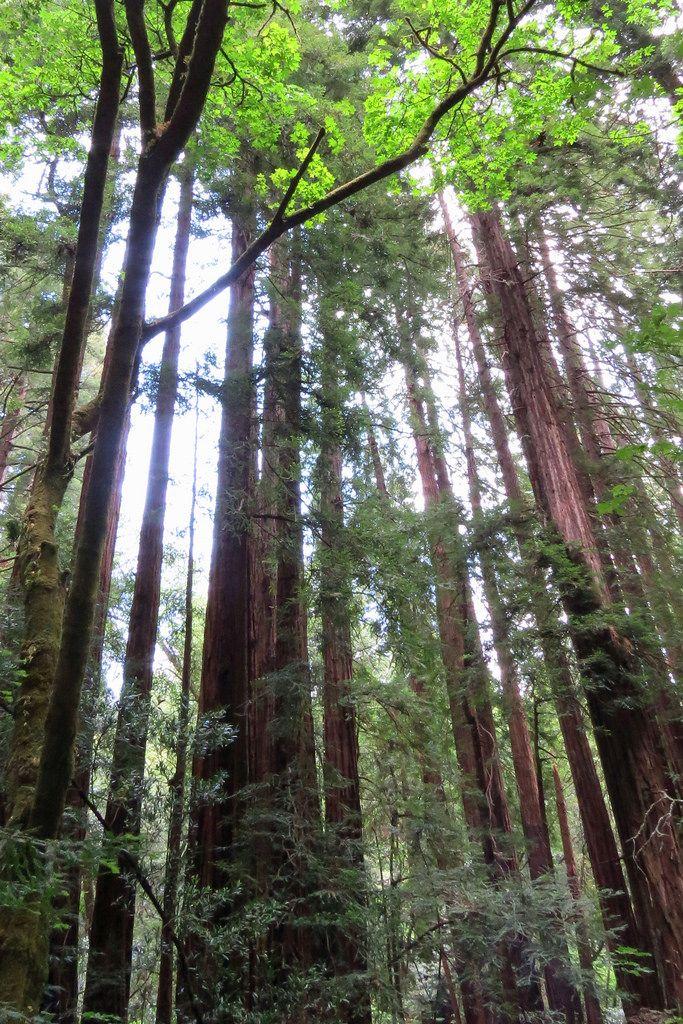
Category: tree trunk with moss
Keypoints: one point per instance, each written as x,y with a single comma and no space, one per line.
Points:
62,992
23,938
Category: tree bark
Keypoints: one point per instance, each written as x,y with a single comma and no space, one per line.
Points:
591,1001
63,975
164,1007
340,739
42,582
617,913
632,753
289,795
627,540
562,995
107,987
23,945
225,692
224,688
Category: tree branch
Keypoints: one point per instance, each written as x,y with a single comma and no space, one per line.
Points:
191,87
418,148
294,183
135,17
183,51
576,61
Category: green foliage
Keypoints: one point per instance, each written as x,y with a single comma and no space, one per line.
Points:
566,129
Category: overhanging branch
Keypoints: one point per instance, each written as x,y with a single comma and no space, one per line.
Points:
488,54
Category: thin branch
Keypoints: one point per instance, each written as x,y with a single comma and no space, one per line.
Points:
191,78
168,9
432,50
576,61
294,183
9,479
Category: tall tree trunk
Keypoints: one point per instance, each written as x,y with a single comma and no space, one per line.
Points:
483,791
224,688
632,753
342,788
294,784
263,550
591,1001
617,913
63,975
107,986
628,541
562,995
164,1007
198,48
42,582
340,740
23,937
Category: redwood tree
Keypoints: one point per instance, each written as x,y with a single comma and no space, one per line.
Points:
632,752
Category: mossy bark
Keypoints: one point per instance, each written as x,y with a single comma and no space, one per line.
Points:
23,935
44,587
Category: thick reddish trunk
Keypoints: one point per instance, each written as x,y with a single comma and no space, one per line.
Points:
602,848
292,793
342,788
631,749
111,936
224,687
562,995
262,619
627,540
225,667
292,750
340,739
